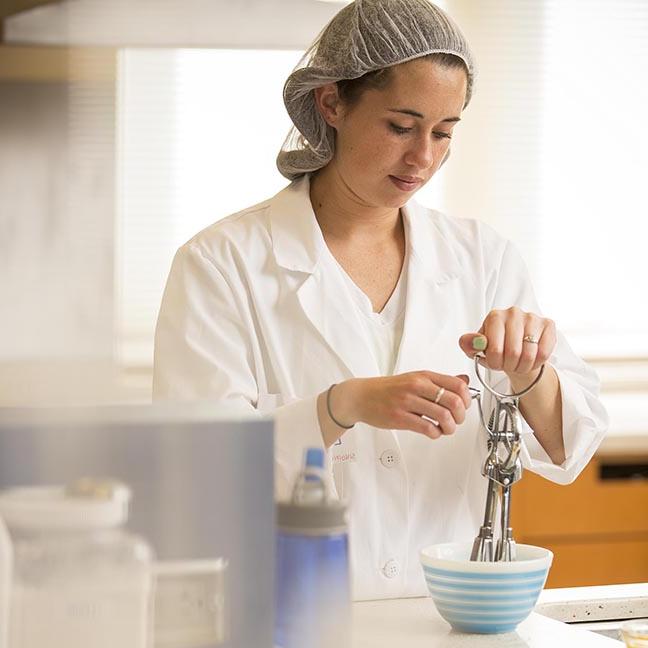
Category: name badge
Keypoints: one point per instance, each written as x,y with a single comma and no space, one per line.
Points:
344,457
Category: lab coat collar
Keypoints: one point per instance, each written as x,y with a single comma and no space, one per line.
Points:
298,243
430,249
297,239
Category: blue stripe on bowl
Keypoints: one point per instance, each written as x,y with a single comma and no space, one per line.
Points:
495,587
484,581
516,613
508,621
483,606
488,587
459,590
459,597
457,612
483,575
460,604
491,596
485,594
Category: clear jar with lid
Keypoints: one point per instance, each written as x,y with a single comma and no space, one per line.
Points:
6,565
80,580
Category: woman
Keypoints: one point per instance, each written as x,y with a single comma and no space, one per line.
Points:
353,314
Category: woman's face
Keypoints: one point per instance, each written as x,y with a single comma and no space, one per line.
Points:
393,140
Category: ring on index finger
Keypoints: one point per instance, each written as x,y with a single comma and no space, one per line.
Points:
439,395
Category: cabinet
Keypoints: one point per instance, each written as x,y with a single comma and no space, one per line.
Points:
597,527
11,7
63,65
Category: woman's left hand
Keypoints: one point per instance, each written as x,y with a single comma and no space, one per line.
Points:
516,342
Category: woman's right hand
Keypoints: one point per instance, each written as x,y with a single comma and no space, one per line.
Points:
400,402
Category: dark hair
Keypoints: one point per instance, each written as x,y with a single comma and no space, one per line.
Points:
351,90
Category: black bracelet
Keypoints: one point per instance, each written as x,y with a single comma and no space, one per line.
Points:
328,409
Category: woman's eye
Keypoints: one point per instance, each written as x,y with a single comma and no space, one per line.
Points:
402,130
399,130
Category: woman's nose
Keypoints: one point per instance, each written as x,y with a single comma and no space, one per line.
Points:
421,154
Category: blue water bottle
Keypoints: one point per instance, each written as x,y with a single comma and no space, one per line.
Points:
313,600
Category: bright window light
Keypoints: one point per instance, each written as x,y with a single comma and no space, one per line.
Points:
199,131
594,167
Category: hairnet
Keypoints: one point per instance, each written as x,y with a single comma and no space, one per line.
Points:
365,36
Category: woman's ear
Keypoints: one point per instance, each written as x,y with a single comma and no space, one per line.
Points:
329,104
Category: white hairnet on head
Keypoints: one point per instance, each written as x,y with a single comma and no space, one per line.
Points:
365,36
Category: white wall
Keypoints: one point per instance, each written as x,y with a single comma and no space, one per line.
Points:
57,193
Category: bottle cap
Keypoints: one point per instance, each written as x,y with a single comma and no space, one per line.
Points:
87,504
314,458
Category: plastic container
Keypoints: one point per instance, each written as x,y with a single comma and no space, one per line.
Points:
6,565
79,579
313,600
635,633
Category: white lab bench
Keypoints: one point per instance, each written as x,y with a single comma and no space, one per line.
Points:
415,623
601,608
628,433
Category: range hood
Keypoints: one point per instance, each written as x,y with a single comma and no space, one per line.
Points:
273,24
12,7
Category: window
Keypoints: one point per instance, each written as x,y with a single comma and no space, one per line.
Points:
553,152
199,131
594,164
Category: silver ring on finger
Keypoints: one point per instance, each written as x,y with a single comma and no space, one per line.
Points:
439,395
531,339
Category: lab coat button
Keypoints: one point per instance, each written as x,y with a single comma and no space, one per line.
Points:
389,458
390,569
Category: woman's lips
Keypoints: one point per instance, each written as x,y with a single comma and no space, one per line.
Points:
406,184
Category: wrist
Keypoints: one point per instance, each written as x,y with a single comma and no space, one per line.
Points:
345,402
522,381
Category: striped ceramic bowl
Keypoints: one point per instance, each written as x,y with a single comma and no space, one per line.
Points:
484,597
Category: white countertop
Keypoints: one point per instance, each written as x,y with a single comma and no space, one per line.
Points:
628,433
601,603
415,623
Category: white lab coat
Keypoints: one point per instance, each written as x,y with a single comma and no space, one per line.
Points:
253,315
